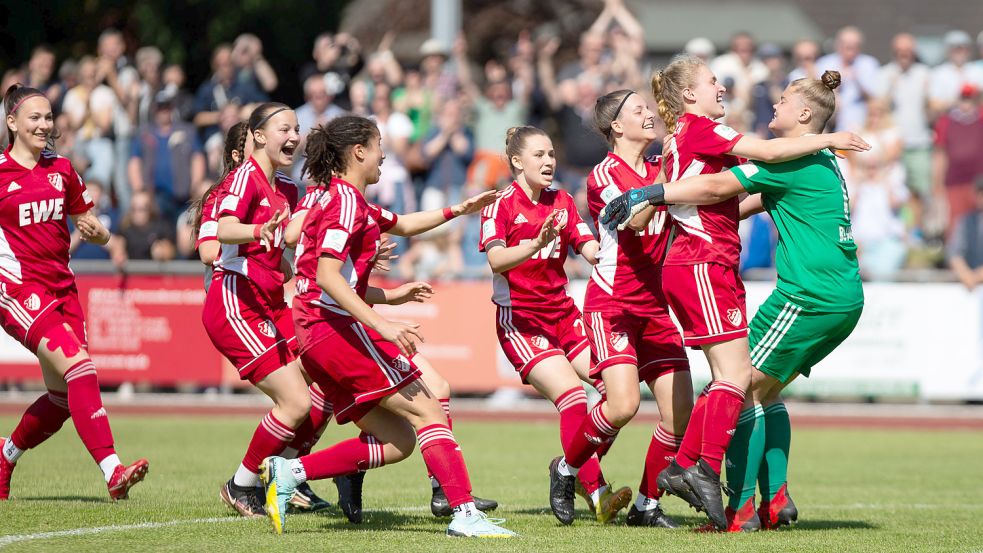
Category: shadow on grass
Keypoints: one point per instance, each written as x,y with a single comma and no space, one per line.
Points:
383,520
70,498
823,524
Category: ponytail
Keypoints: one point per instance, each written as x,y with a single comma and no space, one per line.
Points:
235,141
668,85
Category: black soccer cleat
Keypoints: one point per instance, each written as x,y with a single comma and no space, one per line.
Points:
671,481
246,500
440,507
350,495
706,485
305,500
561,493
654,517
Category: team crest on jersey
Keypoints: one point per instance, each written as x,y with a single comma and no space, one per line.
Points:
540,342
561,217
619,341
401,364
267,328
734,316
55,180
33,302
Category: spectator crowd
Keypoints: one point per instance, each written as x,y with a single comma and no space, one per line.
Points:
148,143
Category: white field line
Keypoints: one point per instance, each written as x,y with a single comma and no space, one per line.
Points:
19,538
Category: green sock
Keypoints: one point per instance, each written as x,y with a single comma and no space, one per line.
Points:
744,455
778,439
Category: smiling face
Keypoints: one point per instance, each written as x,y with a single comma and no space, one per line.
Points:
32,123
373,157
705,96
536,161
635,121
790,111
279,138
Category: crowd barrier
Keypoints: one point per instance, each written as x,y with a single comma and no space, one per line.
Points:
914,341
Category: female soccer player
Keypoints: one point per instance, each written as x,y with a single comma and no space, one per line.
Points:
245,314
815,305
526,234
39,303
700,277
363,361
632,337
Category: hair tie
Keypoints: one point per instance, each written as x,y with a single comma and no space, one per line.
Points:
267,118
22,100
622,104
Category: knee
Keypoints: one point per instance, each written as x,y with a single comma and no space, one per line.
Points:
296,408
402,446
440,387
620,410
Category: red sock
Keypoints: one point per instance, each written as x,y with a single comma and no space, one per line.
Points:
444,460
41,420
572,406
309,431
606,446
445,403
362,453
662,449
88,414
594,431
723,407
689,449
270,438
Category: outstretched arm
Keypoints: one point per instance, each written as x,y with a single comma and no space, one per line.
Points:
784,149
412,224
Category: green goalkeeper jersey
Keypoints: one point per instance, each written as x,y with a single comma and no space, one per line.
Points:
816,256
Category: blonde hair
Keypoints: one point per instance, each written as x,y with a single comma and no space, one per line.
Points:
818,94
515,140
668,85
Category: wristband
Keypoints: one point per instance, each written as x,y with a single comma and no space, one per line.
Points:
257,231
654,194
448,214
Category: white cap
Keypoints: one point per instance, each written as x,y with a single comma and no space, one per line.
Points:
700,46
956,38
433,46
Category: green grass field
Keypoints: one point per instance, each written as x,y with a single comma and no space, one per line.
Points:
857,490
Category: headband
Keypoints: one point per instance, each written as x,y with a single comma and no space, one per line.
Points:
22,100
267,118
621,105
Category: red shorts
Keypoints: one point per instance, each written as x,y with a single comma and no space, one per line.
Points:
708,300
650,342
355,367
527,336
256,337
29,310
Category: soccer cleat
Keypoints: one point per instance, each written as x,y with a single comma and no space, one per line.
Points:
779,511
478,525
561,493
671,481
350,495
610,503
653,517
244,500
6,471
579,489
706,485
744,519
440,507
305,500
125,478
278,487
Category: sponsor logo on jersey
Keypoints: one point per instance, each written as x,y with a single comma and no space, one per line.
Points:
267,328
734,316
14,187
55,180
725,132
487,229
619,341
41,211
33,302
302,286
519,219
264,202
335,239
540,342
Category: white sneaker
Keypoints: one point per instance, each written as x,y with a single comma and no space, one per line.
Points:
478,525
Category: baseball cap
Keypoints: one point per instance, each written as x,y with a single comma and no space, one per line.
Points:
953,39
700,46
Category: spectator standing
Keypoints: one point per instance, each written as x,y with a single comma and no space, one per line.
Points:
740,70
956,159
949,78
252,69
145,235
174,80
859,73
222,88
394,191
41,74
768,92
965,249
449,150
339,59
318,109
805,54
149,61
90,107
116,72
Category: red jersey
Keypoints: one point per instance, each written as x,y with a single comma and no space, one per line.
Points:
343,225
628,274
208,230
707,233
538,282
34,234
248,197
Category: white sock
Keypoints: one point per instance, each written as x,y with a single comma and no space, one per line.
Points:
289,453
595,495
465,510
296,468
644,503
10,451
565,469
108,465
433,483
245,478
